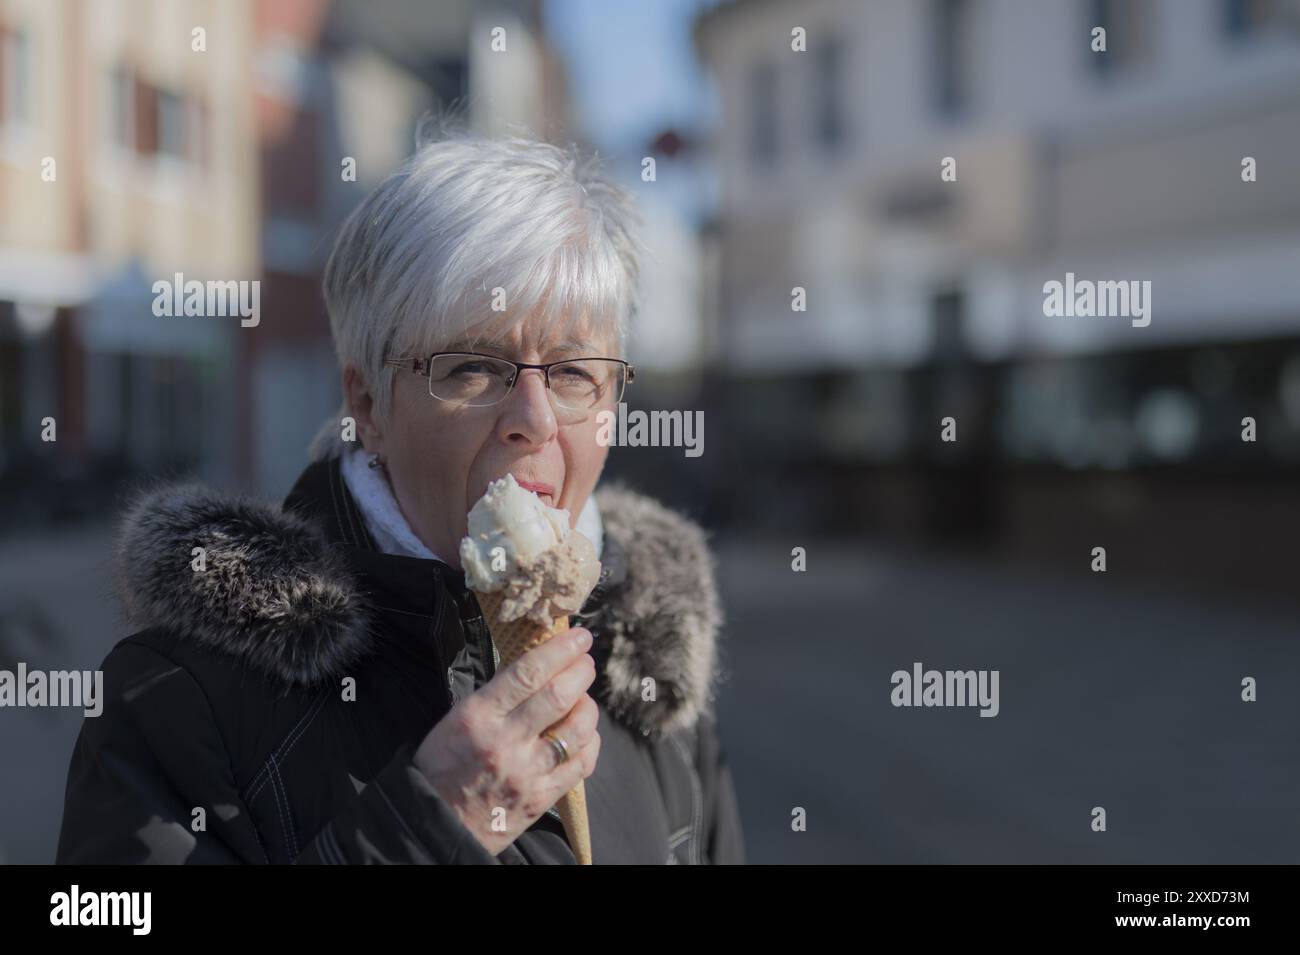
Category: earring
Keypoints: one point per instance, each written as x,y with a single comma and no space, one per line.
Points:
374,462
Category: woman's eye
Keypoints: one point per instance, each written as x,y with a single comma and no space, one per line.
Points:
574,374
472,368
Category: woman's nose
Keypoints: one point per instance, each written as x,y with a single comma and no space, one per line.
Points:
527,414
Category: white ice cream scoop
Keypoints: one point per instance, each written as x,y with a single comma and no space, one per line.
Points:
509,525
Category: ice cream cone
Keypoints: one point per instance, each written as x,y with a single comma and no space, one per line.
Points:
514,638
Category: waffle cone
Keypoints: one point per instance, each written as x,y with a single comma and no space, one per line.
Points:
514,638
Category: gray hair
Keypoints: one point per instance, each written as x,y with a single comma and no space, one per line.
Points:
418,263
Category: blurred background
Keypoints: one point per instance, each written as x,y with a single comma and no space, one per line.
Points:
774,169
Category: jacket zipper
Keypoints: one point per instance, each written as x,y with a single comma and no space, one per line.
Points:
488,649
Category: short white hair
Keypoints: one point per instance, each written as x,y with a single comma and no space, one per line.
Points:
417,264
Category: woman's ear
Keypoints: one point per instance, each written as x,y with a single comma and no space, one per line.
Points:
361,405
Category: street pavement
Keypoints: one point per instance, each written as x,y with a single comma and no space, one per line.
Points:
1111,695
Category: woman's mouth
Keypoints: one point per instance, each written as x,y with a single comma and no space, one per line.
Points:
545,491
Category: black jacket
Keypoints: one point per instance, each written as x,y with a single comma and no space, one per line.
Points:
228,734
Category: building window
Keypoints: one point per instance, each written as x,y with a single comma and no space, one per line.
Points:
1125,23
829,131
16,77
947,312
152,121
171,124
145,109
762,115
1247,18
951,26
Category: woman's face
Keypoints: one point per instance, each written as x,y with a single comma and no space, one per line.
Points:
440,458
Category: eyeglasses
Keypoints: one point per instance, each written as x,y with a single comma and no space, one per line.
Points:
577,385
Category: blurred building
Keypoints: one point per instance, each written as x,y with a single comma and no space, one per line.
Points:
674,335
222,141
126,158
925,296
671,341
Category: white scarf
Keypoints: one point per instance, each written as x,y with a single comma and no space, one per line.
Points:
373,494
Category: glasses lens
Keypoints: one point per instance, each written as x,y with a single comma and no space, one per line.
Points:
587,383
473,380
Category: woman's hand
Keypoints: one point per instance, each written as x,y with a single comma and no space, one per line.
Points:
487,758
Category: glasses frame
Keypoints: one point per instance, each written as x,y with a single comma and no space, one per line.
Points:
424,368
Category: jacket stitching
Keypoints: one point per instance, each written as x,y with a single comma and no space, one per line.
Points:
288,813
289,742
257,783
257,831
275,788
697,798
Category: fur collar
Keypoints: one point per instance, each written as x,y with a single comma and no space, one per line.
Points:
656,614
280,599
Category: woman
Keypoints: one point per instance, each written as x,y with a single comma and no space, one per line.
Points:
314,683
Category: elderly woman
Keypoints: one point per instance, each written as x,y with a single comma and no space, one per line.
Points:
313,682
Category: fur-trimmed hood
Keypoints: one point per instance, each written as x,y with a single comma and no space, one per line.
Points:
277,595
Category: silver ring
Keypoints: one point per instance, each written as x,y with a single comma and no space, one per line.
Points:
558,744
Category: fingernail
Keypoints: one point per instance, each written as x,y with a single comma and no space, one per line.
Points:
584,638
